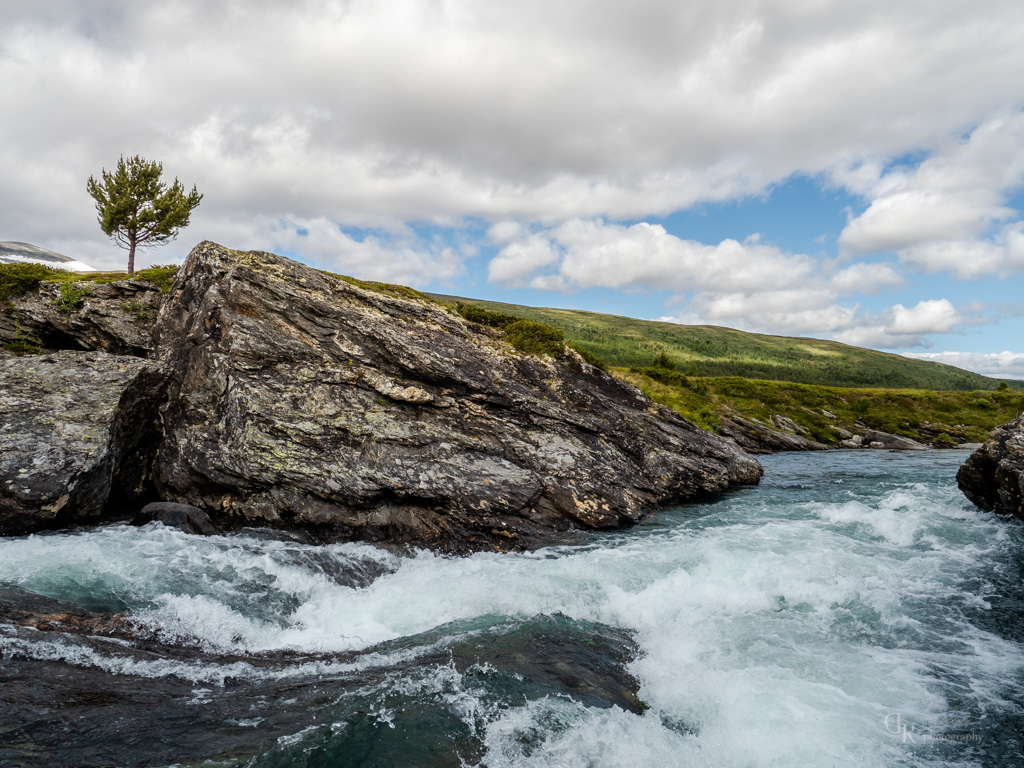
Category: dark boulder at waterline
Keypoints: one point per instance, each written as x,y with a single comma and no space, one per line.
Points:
302,400
77,433
184,517
993,476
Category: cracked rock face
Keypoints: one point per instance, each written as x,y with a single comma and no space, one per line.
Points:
73,436
300,400
112,317
993,476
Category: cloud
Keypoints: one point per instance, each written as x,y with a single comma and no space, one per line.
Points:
817,313
930,316
1002,365
1002,255
376,114
866,277
593,253
750,285
948,213
518,260
399,257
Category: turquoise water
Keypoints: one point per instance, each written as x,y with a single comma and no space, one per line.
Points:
853,610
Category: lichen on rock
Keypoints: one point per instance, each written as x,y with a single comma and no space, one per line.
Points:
76,434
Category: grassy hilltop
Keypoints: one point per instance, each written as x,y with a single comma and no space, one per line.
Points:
707,350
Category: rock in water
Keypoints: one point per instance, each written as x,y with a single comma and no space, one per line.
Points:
75,436
993,476
181,516
302,400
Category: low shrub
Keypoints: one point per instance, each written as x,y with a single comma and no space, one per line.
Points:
19,279
589,357
663,361
71,297
664,375
486,317
535,338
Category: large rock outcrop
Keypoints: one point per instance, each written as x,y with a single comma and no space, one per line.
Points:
77,434
114,317
301,400
993,476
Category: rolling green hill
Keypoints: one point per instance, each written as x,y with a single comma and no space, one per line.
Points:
706,350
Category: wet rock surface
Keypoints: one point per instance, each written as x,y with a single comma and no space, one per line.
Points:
993,476
76,435
300,400
116,317
184,517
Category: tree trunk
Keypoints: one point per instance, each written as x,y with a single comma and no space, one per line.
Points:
131,258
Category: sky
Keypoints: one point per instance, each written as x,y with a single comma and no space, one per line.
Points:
824,168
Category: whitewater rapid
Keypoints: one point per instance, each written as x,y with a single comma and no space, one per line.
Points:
853,610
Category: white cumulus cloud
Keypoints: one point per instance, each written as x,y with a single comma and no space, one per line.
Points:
1001,365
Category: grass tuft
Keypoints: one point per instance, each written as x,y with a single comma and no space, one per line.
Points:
163,276
71,297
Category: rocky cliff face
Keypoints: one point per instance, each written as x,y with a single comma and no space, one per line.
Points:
76,436
300,400
112,317
993,476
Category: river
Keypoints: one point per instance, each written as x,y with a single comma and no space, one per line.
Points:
852,610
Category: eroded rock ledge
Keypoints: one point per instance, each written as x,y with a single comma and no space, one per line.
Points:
281,396
993,476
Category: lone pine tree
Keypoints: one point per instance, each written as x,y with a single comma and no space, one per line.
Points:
136,209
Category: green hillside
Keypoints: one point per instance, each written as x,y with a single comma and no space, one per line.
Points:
706,350
939,418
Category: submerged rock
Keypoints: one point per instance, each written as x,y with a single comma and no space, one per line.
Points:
301,400
184,517
75,436
993,476
115,317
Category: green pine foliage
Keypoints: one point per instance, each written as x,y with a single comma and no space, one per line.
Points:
136,209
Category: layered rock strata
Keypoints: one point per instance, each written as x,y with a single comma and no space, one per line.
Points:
115,317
